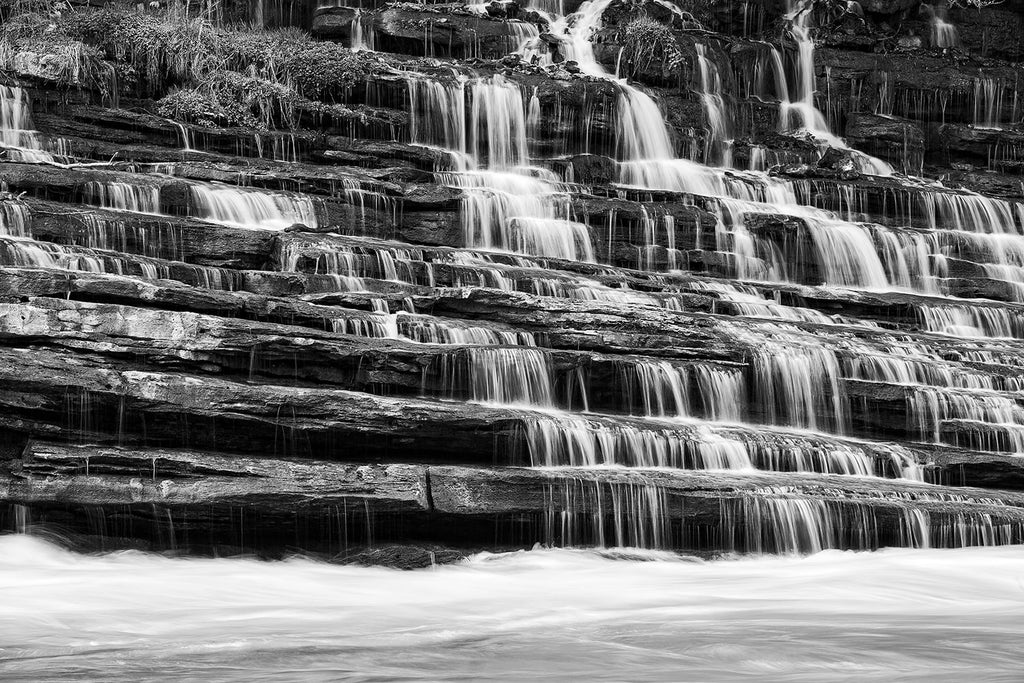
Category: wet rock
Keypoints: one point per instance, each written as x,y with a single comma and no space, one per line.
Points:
217,372
334,23
989,147
839,161
415,31
593,169
994,31
887,7
402,557
898,141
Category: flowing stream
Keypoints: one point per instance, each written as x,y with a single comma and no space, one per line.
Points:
549,615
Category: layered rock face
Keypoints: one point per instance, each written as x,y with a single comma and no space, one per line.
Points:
695,277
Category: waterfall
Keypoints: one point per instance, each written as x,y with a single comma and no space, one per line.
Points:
15,219
185,133
988,103
617,515
749,302
497,131
659,388
382,326
943,33
17,135
363,36
252,209
775,412
848,253
507,376
124,196
563,439
507,204
583,512
518,212
573,33
437,114
433,331
797,378
801,112
972,321
718,147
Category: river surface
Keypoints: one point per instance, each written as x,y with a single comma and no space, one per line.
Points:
544,614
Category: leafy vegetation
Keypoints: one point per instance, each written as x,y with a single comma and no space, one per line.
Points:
646,41
198,70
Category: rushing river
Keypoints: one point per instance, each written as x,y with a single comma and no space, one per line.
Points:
555,615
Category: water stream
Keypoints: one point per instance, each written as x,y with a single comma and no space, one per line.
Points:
541,615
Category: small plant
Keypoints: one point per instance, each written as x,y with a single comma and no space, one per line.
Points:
322,71
646,41
194,105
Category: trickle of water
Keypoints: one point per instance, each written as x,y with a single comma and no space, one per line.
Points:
589,513
509,376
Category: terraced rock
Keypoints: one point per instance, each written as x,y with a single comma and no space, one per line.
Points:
514,277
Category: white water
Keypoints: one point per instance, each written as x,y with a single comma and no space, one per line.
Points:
550,615
252,209
943,33
16,133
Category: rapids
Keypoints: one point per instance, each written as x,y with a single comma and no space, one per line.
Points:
544,614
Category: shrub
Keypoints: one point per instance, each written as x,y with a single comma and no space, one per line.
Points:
645,40
322,70
160,49
200,72
32,43
192,104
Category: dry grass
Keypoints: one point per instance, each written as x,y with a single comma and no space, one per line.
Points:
198,69
646,41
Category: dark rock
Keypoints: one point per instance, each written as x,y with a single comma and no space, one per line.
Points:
898,141
839,160
593,169
888,7
334,23
402,557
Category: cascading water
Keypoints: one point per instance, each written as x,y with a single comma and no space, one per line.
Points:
507,204
849,254
801,112
718,147
831,400
124,197
14,219
258,210
509,376
943,33
17,136
363,36
988,103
